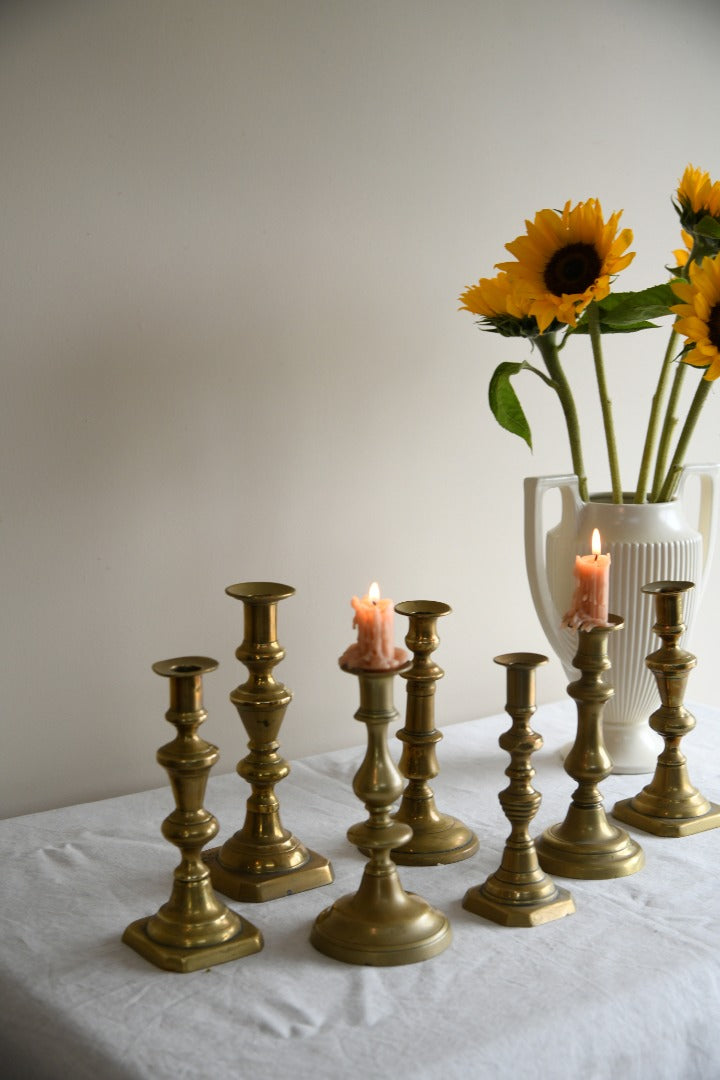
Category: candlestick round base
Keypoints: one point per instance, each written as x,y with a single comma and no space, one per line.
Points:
381,925
599,852
443,839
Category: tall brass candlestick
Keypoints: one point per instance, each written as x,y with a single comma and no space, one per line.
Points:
380,924
263,860
436,838
585,844
670,805
193,929
519,893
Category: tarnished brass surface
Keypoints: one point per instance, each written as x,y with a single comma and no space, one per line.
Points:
263,860
193,929
586,844
519,893
380,924
436,837
670,805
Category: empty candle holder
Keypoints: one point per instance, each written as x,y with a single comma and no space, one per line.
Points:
263,860
380,924
670,805
193,929
520,893
586,844
436,837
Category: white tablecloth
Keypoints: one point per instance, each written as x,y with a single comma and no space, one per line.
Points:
627,987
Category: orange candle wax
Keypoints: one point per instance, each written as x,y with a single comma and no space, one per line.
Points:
374,649
592,576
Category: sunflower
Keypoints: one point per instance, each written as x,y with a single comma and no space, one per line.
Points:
699,316
566,259
698,195
500,306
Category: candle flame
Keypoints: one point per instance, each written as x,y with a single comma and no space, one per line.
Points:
596,545
374,592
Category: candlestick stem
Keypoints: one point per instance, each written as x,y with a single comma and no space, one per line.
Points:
263,860
194,929
670,805
380,924
586,844
520,893
437,837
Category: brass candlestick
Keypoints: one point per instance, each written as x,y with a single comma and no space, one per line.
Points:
380,924
669,805
193,929
585,844
436,838
263,860
519,893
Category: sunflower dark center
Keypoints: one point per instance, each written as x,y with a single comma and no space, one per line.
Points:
714,326
572,269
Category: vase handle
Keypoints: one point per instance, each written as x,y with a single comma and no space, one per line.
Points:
536,487
709,475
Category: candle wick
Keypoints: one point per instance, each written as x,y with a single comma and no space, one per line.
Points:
596,556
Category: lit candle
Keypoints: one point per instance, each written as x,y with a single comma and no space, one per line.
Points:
592,575
374,649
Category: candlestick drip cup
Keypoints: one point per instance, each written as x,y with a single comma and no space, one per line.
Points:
380,924
263,860
586,844
670,805
194,929
520,893
436,837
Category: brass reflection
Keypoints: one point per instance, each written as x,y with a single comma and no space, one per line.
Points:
436,837
670,805
380,924
586,844
520,893
263,860
193,929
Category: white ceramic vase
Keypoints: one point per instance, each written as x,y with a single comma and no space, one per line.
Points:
647,542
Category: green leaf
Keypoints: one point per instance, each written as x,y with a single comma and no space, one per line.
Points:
504,402
627,312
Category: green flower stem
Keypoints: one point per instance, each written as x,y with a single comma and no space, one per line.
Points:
669,425
605,403
671,480
653,422
548,349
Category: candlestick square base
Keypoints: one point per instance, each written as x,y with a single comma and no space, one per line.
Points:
257,888
508,914
659,826
173,958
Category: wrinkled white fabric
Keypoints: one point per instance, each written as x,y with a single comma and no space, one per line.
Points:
628,986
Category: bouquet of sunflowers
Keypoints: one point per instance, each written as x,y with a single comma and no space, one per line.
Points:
559,286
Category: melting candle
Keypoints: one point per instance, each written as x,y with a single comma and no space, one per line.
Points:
589,605
374,649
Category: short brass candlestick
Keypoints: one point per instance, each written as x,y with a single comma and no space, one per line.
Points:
519,893
585,844
380,924
193,929
263,860
436,838
669,805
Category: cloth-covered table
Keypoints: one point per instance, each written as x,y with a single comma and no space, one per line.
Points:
628,986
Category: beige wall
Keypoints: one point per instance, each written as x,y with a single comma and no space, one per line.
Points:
232,235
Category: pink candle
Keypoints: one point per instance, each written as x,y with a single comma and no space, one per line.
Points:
375,647
590,602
